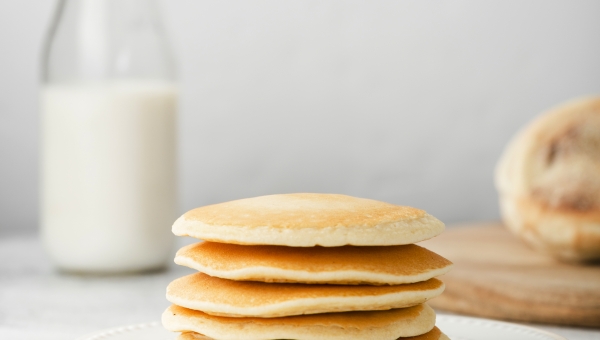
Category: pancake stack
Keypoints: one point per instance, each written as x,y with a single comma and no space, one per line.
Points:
306,266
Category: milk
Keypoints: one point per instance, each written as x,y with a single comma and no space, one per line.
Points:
108,193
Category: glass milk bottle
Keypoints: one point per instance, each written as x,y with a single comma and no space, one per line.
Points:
108,121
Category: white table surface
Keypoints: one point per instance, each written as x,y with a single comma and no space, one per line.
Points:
37,303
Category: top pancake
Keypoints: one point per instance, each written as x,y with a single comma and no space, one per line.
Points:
308,220
376,265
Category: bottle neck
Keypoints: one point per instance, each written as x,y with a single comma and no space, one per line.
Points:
95,40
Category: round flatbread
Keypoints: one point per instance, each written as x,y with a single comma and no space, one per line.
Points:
434,334
308,220
377,265
376,325
259,299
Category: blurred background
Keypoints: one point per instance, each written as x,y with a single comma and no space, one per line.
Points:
409,102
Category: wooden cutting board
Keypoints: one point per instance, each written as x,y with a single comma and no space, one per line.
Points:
495,275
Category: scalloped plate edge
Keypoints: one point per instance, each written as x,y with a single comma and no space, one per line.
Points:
466,320
120,330
441,320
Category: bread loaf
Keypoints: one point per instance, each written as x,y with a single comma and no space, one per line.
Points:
548,181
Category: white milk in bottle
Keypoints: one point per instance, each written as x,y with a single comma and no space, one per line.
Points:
109,176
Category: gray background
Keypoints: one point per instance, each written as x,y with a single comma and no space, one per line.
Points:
409,102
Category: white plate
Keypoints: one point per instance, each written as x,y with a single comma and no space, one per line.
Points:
456,327
145,331
466,328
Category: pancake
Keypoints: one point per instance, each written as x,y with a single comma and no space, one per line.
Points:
308,220
377,325
259,299
192,336
377,265
434,334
